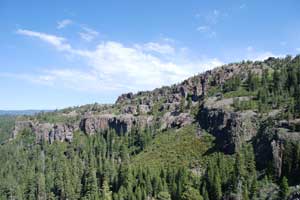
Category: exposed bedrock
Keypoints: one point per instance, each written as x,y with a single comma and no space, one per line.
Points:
230,128
120,123
47,131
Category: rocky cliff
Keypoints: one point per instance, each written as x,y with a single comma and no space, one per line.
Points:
191,101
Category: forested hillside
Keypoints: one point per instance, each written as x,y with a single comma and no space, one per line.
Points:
229,133
7,124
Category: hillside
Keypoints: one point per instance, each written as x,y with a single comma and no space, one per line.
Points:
229,133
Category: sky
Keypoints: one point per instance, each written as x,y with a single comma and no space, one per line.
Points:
61,53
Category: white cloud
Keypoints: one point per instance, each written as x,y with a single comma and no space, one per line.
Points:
297,49
115,66
207,31
63,23
167,39
213,17
210,21
203,28
58,42
156,47
88,34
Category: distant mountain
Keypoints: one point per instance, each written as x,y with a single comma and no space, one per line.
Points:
21,112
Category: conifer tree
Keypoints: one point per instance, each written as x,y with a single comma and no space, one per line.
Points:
191,193
284,188
164,195
106,193
91,186
41,187
217,187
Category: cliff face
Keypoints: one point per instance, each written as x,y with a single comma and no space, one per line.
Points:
47,131
165,107
177,106
270,143
231,129
120,123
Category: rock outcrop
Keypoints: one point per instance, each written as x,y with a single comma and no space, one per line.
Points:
141,109
120,123
230,128
271,141
175,120
47,131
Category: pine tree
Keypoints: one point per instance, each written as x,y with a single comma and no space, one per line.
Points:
30,189
239,172
138,193
277,85
245,193
217,187
204,192
106,193
190,103
41,187
252,81
164,195
191,194
284,188
91,186
182,104
297,101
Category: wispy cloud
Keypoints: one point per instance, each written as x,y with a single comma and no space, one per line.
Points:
207,30
56,41
209,22
203,28
213,17
60,43
63,23
115,66
88,34
156,47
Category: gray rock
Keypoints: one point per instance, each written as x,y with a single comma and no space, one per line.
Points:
175,120
231,129
120,123
46,131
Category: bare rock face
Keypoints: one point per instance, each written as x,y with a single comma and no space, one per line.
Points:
231,129
130,109
144,109
62,132
124,97
120,123
20,126
270,145
175,120
46,131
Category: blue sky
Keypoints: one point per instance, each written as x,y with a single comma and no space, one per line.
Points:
60,53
